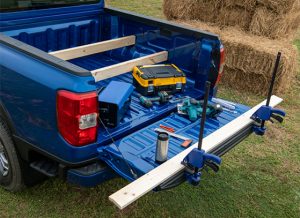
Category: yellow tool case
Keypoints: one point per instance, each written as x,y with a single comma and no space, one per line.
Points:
150,79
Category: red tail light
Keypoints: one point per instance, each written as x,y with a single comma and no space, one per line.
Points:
222,64
77,117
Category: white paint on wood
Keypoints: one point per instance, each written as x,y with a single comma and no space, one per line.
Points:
154,178
94,48
127,66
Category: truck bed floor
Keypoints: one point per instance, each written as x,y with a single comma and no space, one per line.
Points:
138,116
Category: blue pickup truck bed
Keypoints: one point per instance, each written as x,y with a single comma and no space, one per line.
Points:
138,116
32,78
138,148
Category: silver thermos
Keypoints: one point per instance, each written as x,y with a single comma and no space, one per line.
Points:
162,147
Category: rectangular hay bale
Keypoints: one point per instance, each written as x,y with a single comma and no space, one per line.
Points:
252,58
281,6
234,16
245,4
267,23
204,10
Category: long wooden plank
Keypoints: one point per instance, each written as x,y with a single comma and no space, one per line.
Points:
94,48
154,178
127,66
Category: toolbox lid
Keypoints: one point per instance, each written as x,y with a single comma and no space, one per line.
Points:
160,71
116,93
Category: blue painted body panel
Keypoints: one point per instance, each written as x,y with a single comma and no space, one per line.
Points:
29,86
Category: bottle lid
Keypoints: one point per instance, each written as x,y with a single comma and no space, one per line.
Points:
163,136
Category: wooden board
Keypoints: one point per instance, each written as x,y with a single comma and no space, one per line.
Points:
94,48
127,66
154,178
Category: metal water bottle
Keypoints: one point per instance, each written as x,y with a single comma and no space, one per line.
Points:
162,147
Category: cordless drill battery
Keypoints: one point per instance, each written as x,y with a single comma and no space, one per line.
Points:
151,79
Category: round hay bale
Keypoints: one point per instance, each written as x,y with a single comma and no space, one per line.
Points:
267,23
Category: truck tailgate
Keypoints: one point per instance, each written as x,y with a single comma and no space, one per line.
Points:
165,171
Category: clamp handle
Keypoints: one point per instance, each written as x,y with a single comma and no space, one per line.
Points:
195,161
212,158
266,113
278,112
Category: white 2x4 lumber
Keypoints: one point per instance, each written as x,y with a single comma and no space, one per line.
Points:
127,66
94,48
162,173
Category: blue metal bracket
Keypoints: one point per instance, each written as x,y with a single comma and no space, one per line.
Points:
263,114
195,161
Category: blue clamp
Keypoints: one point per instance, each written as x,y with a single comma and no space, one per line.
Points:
195,161
266,113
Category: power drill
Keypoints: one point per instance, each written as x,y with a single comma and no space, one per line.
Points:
193,109
163,97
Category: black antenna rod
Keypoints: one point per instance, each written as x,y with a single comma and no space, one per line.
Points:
203,119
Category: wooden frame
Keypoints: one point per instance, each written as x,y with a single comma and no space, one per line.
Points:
154,178
114,70
94,48
127,66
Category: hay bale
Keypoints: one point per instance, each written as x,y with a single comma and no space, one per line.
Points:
234,16
271,18
267,23
177,9
245,4
251,59
281,6
223,13
239,80
204,10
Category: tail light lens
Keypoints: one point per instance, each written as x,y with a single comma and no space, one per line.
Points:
222,64
77,117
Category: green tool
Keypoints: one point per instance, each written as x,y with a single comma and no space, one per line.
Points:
194,108
163,97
